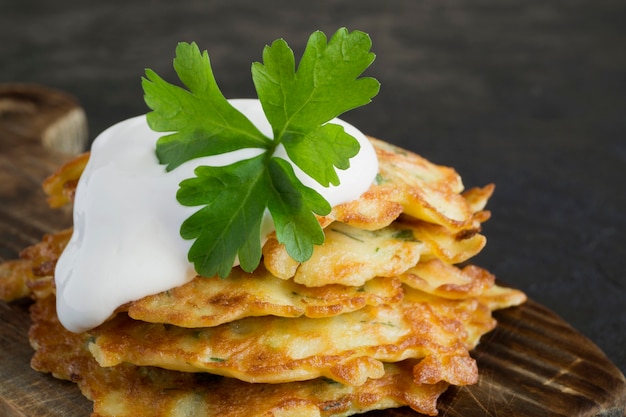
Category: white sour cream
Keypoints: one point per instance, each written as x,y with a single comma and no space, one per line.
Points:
126,242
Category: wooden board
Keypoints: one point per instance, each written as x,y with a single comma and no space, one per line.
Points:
532,364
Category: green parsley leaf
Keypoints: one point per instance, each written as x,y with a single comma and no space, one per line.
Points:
199,121
203,121
291,210
234,199
298,103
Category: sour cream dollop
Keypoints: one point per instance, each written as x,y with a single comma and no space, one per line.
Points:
126,242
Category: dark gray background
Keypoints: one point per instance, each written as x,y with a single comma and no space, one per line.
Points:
530,95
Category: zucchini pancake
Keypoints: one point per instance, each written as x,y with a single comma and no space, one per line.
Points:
383,314
379,317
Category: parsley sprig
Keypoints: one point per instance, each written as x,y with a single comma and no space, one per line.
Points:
298,104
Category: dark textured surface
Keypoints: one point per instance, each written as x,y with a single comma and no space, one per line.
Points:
528,95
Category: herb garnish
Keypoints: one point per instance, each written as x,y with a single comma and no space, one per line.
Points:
298,104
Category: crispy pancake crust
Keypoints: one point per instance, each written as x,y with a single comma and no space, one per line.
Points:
348,348
352,256
448,281
406,183
378,318
60,187
129,391
14,278
208,302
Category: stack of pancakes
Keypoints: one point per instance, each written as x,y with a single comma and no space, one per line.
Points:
381,316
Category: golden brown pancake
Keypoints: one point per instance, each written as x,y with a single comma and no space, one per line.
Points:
448,281
130,391
14,277
406,183
381,316
348,348
207,302
60,187
351,256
